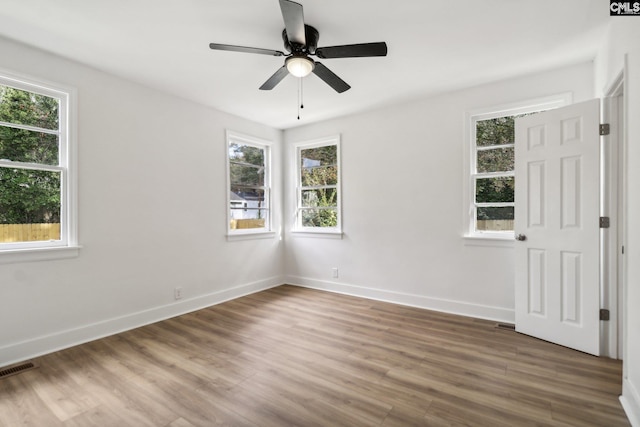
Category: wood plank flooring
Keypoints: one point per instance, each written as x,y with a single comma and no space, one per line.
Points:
298,357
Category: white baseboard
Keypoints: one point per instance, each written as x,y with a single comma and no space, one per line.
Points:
447,306
630,401
29,349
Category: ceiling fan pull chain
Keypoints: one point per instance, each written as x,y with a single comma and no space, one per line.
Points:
300,105
298,101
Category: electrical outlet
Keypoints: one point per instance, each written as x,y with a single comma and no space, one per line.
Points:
177,293
334,271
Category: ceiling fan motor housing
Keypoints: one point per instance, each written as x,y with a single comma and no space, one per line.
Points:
312,36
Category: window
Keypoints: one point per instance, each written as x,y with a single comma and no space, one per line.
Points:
492,158
318,186
249,184
494,178
37,201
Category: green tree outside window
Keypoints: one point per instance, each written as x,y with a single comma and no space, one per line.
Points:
29,126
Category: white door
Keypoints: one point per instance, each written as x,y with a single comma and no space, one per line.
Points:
557,226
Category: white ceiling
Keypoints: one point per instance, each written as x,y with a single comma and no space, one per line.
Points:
434,46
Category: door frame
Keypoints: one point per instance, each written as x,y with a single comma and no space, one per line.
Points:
613,205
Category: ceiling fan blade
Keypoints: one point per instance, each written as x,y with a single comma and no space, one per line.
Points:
232,48
293,16
330,78
353,50
275,79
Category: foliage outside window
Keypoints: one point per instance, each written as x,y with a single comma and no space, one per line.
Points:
318,195
34,174
249,198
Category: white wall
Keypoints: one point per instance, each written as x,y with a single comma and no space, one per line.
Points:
152,194
622,41
413,154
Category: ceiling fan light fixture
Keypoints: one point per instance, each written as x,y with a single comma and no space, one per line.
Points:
300,66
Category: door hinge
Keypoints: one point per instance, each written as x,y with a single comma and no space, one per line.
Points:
605,129
604,314
605,222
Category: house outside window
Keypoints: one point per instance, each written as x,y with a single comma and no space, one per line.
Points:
491,183
318,186
37,175
248,164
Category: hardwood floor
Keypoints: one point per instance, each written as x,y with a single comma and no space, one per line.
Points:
299,357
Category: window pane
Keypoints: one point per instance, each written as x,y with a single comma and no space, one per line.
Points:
246,175
496,131
19,145
319,175
319,217
29,197
26,108
495,219
248,191
318,191
246,154
320,197
319,156
248,197
495,190
247,218
496,160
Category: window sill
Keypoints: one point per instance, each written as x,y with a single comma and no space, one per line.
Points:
251,235
38,254
505,240
320,234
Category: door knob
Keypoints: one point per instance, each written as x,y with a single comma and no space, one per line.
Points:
521,237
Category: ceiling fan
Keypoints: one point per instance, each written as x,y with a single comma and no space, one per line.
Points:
301,41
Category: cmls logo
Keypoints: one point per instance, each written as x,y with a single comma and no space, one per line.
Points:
619,8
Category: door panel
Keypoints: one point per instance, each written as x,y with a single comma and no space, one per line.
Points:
536,194
557,209
571,287
537,285
570,177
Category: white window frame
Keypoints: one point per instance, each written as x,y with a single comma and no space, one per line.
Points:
67,246
266,231
297,225
470,157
